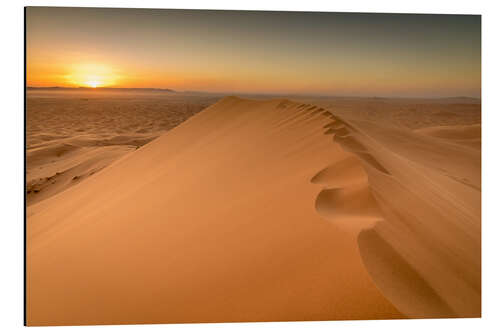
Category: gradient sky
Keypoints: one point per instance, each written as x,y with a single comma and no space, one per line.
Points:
255,52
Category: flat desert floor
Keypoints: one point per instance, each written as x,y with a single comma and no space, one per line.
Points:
169,208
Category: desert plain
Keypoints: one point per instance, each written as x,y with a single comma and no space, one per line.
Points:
165,207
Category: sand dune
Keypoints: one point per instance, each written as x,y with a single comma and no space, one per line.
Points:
262,211
76,133
429,237
54,168
468,135
405,112
213,221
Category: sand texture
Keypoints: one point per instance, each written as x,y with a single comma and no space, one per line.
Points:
257,210
70,136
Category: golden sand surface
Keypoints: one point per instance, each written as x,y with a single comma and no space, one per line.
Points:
253,210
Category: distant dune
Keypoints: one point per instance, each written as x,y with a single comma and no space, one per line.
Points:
263,210
469,135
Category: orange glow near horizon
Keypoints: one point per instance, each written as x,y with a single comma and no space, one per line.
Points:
90,75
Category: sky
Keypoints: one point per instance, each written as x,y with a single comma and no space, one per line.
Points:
337,54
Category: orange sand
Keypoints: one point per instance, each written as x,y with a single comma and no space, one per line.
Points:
250,211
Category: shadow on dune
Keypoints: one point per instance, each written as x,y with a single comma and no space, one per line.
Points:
360,195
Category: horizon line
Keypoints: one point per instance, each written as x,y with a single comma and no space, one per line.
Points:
244,93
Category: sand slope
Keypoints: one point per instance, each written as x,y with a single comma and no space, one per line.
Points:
213,221
57,166
250,211
73,134
425,251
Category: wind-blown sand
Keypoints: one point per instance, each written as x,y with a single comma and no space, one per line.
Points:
264,211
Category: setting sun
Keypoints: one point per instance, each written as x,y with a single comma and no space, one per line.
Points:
91,75
93,83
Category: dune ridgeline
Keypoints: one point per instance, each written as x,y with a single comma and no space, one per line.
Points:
265,211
